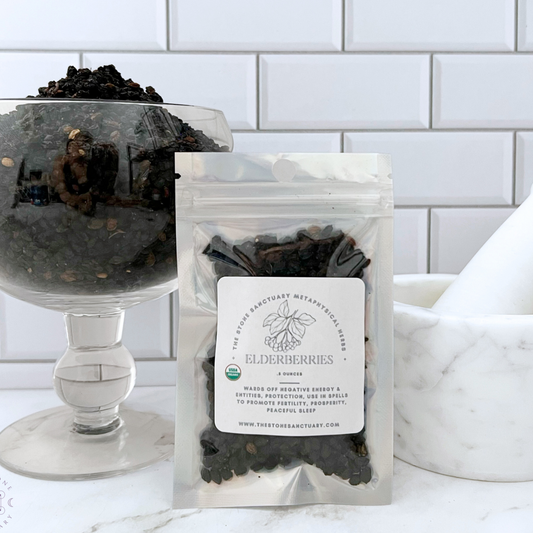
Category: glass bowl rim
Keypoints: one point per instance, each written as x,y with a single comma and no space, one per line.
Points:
35,100
210,112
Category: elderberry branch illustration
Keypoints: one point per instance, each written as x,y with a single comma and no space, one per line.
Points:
286,330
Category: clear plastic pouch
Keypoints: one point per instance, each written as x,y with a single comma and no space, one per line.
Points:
284,390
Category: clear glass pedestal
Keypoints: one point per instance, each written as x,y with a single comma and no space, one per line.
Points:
91,437
45,446
87,228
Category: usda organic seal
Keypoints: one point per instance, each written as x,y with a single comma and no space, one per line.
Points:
233,372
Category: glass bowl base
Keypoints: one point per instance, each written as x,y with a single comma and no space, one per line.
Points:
45,446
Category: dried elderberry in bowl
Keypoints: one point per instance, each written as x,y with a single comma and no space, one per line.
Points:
87,227
87,195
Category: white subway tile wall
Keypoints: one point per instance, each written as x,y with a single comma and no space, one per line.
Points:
261,25
452,25
98,25
226,82
410,226
445,86
456,235
305,91
287,142
483,91
444,168
22,73
29,332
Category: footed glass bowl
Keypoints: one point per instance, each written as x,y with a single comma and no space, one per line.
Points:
87,228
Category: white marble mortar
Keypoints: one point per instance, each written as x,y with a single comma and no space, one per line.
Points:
463,386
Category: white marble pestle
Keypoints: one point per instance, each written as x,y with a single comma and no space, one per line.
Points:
499,279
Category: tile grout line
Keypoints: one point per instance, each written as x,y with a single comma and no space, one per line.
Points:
430,121
453,206
257,93
3,339
428,254
167,14
515,151
342,143
386,130
81,59
510,53
173,349
516,26
343,26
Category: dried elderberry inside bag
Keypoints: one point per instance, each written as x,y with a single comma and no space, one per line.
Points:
313,252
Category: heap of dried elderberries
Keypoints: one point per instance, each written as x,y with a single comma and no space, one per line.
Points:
87,187
104,83
314,252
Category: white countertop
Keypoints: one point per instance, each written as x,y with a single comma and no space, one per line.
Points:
141,502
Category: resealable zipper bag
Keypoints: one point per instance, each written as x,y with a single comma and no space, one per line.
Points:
284,390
